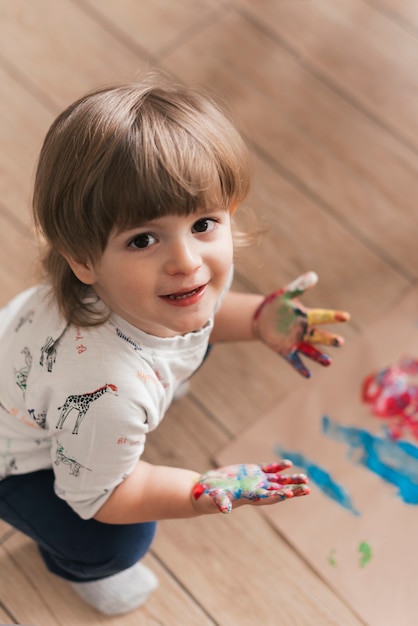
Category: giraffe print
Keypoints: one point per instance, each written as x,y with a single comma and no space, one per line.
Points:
81,404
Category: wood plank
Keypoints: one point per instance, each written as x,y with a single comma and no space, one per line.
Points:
5,529
239,382
403,11
6,618
49,601
155,26
185,427
303,237
14,585
338,157
62,51
24,124
17,254
352,45
243,573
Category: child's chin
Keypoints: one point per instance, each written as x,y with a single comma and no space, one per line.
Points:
191,327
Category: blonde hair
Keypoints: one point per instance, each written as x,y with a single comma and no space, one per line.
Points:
122,156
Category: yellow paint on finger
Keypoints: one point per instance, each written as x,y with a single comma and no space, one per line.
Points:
316,335
326,316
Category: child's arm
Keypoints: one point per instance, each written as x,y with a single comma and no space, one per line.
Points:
150,492
155,492
280,321
234,320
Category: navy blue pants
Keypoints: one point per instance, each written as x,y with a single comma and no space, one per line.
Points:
75,549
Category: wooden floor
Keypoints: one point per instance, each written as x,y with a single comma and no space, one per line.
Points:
326,92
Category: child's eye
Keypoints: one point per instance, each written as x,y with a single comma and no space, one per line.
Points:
144,240
204,225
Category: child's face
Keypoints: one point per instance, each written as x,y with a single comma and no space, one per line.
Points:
166,276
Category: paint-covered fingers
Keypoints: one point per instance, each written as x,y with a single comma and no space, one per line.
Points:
261,495
294,289
272,495
297,287
317,335
317,317
273,473
295,491
326,316
293,358
235,485
276,481
222,500
313,353
290,329
300,490
296,362
274,468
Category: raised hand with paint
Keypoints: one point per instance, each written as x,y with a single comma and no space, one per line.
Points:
235,485
287,327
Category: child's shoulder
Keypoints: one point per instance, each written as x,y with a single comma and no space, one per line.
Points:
24,307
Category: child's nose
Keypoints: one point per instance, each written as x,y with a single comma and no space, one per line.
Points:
184,257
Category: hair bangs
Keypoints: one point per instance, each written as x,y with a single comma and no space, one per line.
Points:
172,170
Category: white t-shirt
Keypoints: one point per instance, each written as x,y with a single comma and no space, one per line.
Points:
82,400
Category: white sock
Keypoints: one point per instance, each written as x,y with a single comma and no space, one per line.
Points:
120,593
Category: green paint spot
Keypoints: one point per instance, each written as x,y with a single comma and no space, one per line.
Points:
331,559
284,321
366,553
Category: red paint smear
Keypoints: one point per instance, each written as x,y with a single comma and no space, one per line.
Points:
198,490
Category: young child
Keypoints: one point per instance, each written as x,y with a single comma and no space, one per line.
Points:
135,190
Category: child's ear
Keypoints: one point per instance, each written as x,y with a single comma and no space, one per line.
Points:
82,269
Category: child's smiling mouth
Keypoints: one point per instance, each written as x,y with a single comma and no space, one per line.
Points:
185,298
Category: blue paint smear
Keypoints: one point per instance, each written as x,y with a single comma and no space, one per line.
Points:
320,477
396,462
